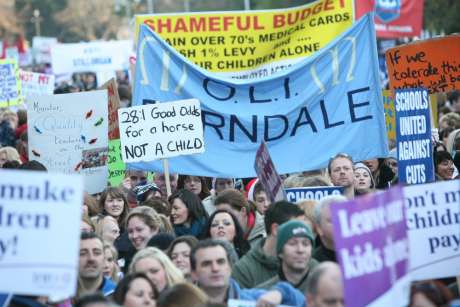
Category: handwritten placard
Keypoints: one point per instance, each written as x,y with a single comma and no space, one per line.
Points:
114,105
68,134
432,64
36,84
10,83
161,130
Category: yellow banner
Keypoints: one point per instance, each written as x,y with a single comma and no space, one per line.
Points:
244,40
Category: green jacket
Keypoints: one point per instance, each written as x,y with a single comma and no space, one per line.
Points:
301,286
255,267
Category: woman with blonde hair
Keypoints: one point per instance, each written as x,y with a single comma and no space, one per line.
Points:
143,223
107,228
158,268
111,269
9,153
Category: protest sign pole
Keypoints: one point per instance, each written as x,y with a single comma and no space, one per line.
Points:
166,173
458,283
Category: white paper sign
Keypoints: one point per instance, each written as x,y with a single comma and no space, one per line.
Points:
36,83
433,221
68,133
94,56
161,130
39,232
42,48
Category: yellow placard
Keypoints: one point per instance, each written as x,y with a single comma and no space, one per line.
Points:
243,40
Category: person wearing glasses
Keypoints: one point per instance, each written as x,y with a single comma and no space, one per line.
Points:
341,173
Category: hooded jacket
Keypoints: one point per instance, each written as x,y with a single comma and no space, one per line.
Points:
301,286
255,267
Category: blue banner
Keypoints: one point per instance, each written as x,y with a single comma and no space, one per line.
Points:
413,136
311,193
328,103
5,299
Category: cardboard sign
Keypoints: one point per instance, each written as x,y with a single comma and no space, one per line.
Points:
10,83
161,130
413,136
426,64
311,193
115,163
393,18
114,105
41,47
269,178
68,133
371,244
39,232
252,44
93,56
433,220
36,83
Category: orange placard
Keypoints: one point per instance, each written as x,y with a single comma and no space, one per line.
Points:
114,105
433,64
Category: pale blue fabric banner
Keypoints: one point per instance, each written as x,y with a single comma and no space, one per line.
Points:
329,103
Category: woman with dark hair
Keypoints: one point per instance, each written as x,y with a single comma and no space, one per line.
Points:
179,253
113,202
443,165
429,293
381,172
135,289
223,225
187,213
196,185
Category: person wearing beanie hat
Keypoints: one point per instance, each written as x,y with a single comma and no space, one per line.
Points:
294,246
363,181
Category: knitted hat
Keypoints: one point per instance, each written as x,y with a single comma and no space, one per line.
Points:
290,230
363,166
393,154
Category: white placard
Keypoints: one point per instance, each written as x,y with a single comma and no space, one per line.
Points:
36,84
39,232
94,56
68,133
161,130
42,48
433,221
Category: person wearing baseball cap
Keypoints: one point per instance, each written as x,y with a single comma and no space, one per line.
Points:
294,245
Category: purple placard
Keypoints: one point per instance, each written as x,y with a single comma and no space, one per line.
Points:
371,243
268,176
